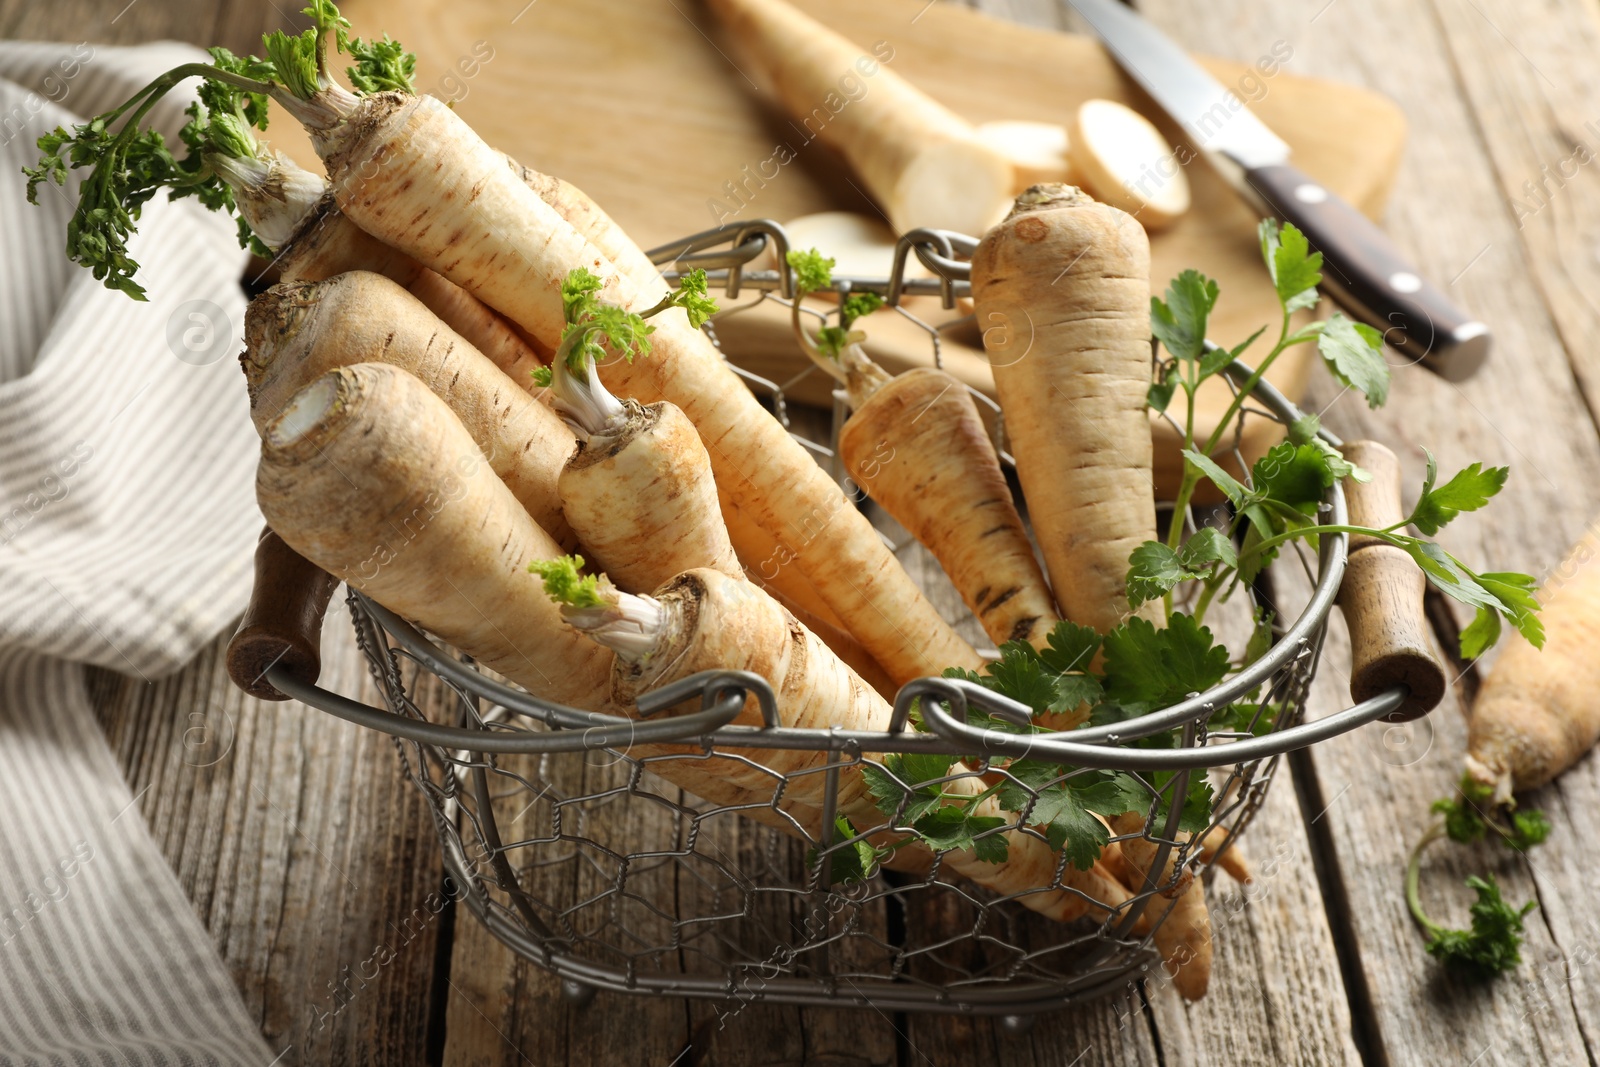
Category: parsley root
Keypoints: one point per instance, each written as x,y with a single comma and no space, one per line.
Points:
1183,930
916,444
482,227
921,162
1537,715
295,333
1063,297
368,474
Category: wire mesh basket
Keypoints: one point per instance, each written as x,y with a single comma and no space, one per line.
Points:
565,836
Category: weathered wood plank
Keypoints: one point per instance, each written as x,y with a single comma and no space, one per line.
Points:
309,858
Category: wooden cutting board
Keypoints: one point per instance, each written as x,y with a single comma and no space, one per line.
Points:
647,106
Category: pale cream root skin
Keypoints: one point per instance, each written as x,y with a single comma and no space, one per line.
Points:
382,487
919,448
919,160
1121,157
1063,299
294,333
1538,712
1184,935
328,244
642,501
726,623
483,228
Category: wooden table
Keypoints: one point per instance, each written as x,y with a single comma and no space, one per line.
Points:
304,851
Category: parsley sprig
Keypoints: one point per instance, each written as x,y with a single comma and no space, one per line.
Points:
128,164
813,273
1286,486
595,329
1493,943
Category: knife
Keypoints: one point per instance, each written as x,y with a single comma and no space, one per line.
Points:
1361,267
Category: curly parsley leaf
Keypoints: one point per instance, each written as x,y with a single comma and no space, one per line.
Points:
1353,351
295,60
564,583
812,270
1493,945
1469,490
380,66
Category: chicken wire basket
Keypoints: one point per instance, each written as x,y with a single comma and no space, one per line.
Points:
562,834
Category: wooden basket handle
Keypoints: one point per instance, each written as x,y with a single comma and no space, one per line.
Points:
1382,595
283,624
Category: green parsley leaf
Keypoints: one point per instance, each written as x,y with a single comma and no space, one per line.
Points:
1179,321
1481,634
1070,647
1493,944
1205,547
952,828
897,788
691,295
1159,395
1353,351
1296,270
812,270
1144,665
1068,826
858,305
855,862
1528,828
1294,475
295,60
1469,490
1515,591
564,585
1224,481
1153,572
380,66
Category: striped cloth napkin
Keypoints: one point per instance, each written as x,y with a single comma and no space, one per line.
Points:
127,521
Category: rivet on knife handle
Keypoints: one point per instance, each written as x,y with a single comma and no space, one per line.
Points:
1382,595
1366,274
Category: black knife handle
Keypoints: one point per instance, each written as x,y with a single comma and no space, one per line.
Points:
1364,272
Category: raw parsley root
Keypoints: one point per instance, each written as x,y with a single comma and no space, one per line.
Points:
1062,295
922,163
370,476
296,332
1536,714
485,229
916,444
704,620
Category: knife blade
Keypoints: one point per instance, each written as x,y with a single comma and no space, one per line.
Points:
1361,267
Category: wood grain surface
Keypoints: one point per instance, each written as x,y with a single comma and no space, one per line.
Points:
304,850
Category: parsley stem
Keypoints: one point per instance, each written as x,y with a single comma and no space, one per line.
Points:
1414,881
1305,531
